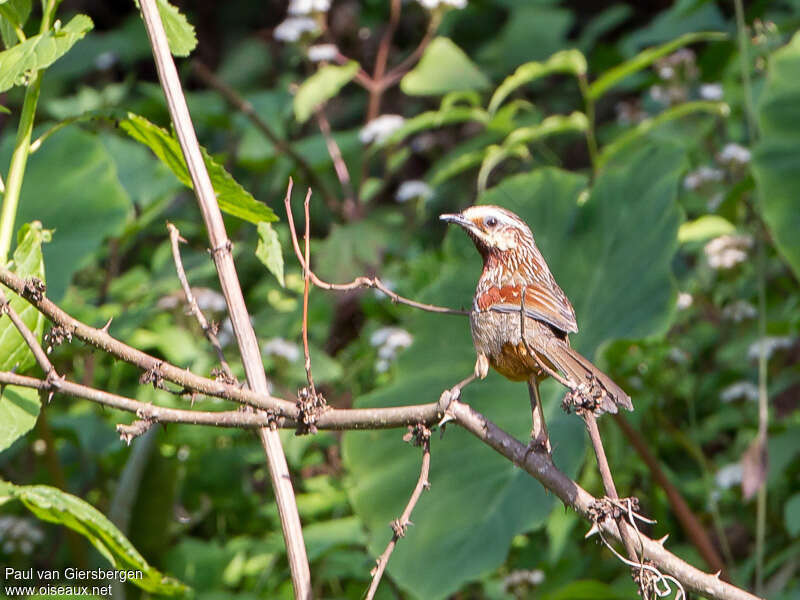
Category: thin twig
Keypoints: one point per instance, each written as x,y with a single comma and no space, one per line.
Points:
397,73
359,282
400,525
350,205
27,335
175,238
306,286
375,95
233,98
229,282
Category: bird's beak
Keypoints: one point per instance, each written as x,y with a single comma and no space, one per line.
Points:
458,219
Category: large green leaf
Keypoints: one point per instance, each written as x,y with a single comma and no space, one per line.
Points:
71,186
321,87
566,61
13,16
232,197
646,58
53,505
612,256
40,51
443,68
19,407
776,161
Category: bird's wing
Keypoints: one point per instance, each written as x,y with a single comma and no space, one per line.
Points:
542,302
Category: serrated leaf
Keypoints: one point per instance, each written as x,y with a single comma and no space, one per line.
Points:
232,197
180,33
566,61
53,505
19,62
321,87
443,68
621,286
704,228
776,162
646,58
19,407
269,251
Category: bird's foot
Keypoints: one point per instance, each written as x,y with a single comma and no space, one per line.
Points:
540,444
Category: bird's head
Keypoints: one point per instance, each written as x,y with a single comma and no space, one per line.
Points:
493,229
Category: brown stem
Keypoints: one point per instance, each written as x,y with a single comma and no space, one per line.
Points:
175,238
690,523
375,95
229,282
400,525
359,282
306,286
396,74
350,206
233,98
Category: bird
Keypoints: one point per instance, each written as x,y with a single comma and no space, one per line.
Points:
516,281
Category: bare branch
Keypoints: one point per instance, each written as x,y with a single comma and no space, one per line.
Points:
350,205
399,526
27,335
229,282
358,282
375,94
233,98
175,238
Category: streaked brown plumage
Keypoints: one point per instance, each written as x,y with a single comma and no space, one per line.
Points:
516,276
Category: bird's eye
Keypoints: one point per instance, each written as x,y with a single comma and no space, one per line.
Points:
490,221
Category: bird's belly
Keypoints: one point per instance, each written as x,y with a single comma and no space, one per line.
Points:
498,336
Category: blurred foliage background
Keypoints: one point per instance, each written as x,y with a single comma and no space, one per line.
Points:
660,185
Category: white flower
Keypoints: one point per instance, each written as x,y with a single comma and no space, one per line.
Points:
745,390
678,356
711,91
306,7
320,52
208,299
19,534
380,128
698,178
770,345
739,311
684,300
105,61
280,347
389,341
666,72
292,28
729,475
414,188
433,4
734,154
727,251
523,577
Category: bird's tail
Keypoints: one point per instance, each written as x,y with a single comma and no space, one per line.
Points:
581,371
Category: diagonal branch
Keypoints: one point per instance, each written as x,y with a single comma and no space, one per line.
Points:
399,526
229,282
175,238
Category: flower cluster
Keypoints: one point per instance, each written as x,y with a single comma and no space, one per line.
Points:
380,129
389,341
676,72
727,251
283,348
770,344
19,535
744,390
412,189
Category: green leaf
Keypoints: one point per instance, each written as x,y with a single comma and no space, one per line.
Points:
494,155
443,68
13,15
434,119
566,61
232,197
71,186
19,407
53,505
20,62
576,122
776,162
647,125
321,87
704,228
180,33
646,58
791,512
269,251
